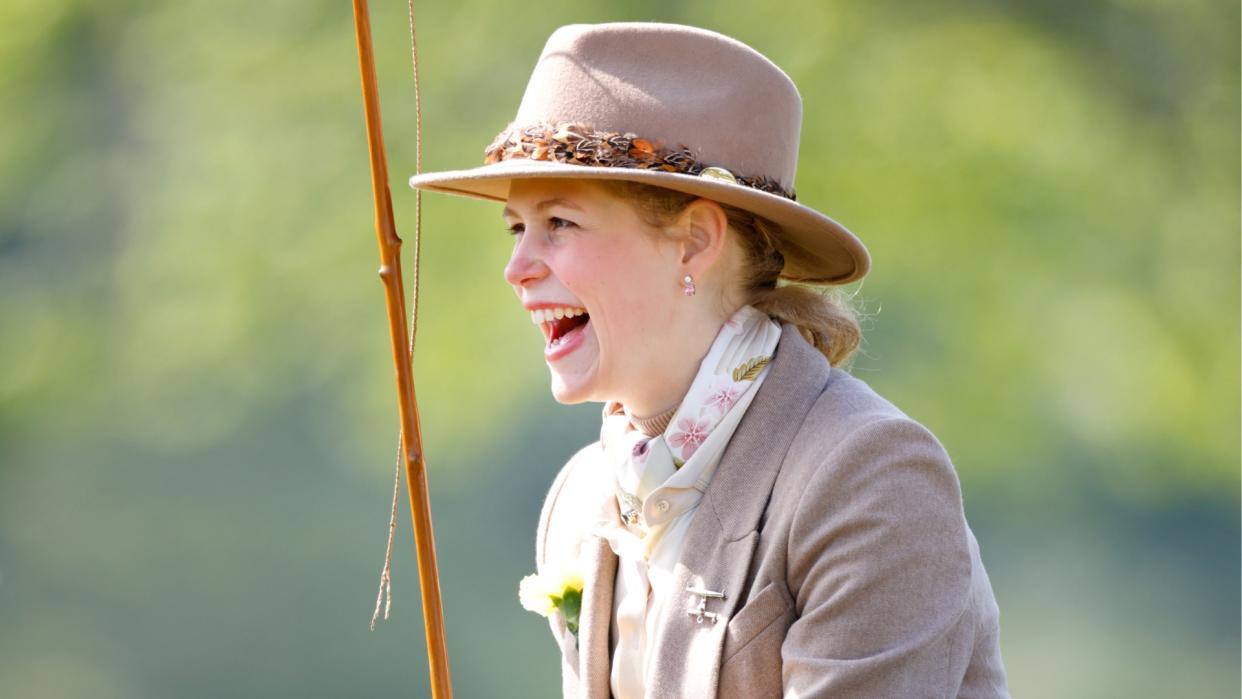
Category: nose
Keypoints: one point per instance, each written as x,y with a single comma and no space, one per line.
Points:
525,265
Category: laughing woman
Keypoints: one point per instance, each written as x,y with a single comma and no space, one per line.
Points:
753,521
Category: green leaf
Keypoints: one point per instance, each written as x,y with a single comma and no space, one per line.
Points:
571,606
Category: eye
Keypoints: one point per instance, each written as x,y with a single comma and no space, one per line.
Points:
516,229
557,223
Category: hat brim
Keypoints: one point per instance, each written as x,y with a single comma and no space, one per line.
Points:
817,249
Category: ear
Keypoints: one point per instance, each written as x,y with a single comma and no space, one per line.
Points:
704,227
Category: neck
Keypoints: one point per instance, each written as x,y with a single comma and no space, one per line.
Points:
665,382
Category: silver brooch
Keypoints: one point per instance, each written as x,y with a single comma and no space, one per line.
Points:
631,507
700,612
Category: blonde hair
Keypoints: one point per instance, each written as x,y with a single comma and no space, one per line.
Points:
822,314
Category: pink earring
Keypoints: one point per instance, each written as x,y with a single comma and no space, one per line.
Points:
688,281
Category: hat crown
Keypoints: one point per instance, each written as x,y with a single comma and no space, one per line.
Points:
677,85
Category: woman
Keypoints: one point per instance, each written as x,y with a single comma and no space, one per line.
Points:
753,521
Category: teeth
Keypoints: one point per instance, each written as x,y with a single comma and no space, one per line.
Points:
547,315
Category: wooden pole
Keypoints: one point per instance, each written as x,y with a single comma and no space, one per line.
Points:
411,433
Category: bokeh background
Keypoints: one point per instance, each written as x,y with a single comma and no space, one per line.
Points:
197,414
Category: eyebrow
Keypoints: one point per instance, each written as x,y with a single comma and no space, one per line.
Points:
547,203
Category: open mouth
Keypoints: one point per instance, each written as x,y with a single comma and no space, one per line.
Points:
559,324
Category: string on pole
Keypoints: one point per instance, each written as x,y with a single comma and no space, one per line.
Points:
402,340
384,597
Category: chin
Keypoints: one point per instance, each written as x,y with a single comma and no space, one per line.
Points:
575,378
566,393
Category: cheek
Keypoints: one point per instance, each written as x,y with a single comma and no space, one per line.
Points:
630,295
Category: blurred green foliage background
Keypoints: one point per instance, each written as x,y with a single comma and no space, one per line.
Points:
197,415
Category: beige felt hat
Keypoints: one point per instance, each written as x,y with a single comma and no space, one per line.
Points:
672,106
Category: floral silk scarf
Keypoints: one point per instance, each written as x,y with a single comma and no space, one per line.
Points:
660,480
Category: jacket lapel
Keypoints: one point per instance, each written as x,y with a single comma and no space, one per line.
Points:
722,537
599,566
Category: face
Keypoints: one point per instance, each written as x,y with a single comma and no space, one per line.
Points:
586,255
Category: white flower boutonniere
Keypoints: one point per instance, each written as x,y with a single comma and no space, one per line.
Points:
558,589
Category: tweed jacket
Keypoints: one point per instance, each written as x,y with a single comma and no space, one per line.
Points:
834,527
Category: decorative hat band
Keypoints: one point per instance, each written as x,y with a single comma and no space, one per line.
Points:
579,144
